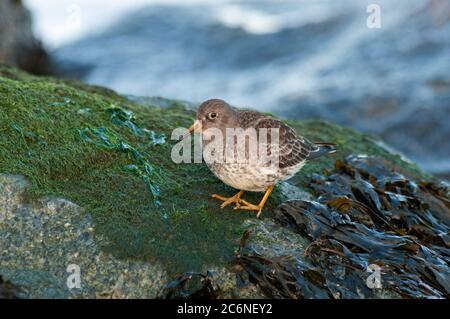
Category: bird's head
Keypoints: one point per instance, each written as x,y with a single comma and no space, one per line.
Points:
212,113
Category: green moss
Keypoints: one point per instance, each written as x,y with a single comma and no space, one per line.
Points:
40,138
40,124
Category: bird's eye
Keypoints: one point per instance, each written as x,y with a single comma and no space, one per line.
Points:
212,115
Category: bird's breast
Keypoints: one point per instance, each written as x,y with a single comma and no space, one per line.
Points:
242,170
251,178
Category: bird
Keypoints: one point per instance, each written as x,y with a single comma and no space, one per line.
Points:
290,153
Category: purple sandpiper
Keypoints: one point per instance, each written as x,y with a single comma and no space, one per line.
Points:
292,151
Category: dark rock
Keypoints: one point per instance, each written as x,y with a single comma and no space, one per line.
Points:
18,46
8,290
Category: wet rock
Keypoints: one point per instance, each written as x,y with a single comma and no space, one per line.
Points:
272,240
42,241
290,191
18,45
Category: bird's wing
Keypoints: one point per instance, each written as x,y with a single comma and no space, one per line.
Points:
293,149
248,118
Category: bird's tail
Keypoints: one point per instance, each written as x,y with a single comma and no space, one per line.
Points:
322,149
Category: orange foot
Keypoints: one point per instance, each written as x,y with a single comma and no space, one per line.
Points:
259,207
236,199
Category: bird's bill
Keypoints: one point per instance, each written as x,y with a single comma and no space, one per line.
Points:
195,128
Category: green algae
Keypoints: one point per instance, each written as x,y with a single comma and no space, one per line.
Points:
124,117
101,180
142,167
188,230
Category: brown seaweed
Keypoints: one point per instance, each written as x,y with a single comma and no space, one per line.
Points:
8,290
367,213
191,285
280,277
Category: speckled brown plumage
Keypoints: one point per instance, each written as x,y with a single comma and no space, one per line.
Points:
293,151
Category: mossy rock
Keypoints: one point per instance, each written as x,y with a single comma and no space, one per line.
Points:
53,132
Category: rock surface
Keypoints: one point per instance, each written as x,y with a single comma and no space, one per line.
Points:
42,239
18,45
87,180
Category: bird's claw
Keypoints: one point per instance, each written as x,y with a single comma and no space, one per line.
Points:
236,204
249,206
236,199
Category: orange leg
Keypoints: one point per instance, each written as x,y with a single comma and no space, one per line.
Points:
236,199
259,207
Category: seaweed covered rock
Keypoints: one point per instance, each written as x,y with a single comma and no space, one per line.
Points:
369,215
43,241
87,180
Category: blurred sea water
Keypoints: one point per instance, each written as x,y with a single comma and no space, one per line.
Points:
297,59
